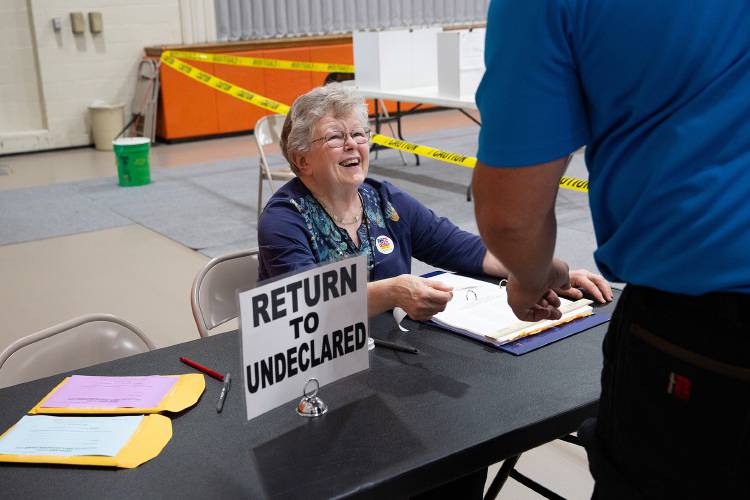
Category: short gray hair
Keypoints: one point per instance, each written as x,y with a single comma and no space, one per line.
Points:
335,99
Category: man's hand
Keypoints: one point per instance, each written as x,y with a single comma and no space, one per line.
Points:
419,297
515,210
592,284
540,303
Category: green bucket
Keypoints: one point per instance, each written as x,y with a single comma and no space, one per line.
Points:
132,160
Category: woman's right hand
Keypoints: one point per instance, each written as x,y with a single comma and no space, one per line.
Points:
419,297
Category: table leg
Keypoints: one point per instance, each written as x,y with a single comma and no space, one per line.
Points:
398,126
373,146
534,486
467,115
501,477
377,115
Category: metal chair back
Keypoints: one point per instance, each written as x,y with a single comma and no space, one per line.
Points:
213,297
268,133
76,343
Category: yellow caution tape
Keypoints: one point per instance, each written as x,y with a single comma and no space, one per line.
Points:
169,58
455,158
224,86
458,159
259,62
574,184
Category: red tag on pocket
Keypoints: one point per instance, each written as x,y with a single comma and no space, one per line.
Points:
679,386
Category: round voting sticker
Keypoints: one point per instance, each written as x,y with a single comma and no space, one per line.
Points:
384,244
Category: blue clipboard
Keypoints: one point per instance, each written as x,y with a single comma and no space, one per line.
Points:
541,339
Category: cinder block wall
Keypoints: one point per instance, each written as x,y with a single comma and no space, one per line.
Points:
49,78
20,106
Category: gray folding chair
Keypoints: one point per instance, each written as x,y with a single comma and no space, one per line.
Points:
268,134
213,297
73,344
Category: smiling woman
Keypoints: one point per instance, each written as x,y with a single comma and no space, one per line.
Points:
332,210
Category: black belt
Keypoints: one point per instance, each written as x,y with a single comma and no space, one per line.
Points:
695,359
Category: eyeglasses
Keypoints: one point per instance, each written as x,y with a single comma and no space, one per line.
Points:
337,138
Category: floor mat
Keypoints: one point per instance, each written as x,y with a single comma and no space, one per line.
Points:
210,207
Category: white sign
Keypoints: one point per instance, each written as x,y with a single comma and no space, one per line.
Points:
312,324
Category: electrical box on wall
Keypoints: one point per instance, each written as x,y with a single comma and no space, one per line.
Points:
77,24
96,25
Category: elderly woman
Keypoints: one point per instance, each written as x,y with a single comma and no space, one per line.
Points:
332,210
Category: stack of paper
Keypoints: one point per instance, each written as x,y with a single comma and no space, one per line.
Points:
480,309
122,395
69,436
93,440
121,441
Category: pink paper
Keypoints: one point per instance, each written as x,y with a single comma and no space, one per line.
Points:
81,391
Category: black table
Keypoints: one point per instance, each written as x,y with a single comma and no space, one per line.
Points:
407,424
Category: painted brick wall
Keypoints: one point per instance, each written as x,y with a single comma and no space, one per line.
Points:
75,70
20,105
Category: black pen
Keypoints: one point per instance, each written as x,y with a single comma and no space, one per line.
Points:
224,390
396,347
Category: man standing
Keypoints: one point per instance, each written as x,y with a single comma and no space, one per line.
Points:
659,92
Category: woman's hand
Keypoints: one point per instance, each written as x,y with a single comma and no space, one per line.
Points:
419,297
591,283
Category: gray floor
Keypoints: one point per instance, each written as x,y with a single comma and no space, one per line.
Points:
209,207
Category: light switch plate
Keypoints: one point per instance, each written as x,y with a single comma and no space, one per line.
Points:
96,24
77,23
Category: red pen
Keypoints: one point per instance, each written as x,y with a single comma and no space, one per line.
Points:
208,371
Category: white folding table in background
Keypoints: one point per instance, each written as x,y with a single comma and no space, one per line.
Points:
419,96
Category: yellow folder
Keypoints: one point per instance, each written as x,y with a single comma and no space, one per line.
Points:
184,394
151,436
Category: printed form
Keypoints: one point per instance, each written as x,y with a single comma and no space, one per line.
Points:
81,391
69,436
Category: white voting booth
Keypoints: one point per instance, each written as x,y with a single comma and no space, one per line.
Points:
460,62
435,62
394,59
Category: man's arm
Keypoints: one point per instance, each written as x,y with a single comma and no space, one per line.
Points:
515,211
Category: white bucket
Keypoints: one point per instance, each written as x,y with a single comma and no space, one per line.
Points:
106,122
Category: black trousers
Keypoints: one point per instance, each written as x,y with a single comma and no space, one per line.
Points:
674,415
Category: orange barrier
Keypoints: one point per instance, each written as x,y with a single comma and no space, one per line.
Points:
188,109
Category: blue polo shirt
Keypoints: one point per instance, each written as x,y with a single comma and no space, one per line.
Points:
295,233
659,92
